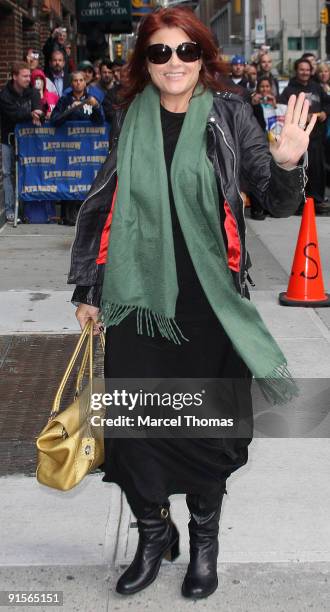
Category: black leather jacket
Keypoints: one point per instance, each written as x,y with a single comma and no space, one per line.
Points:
16,108
240,155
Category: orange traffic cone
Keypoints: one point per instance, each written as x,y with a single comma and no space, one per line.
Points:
306,282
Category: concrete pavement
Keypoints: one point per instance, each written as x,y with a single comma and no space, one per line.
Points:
275,534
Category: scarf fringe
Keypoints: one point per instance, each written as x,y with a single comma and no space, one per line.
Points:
113,314
279,387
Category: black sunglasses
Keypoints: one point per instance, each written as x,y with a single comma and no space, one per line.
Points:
186,51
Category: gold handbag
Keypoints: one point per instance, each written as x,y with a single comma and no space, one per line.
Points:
69,447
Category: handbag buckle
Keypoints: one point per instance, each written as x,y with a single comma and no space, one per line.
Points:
88,448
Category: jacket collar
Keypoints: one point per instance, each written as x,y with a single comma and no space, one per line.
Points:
26,92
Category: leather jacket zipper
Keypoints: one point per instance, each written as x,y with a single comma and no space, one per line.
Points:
241,284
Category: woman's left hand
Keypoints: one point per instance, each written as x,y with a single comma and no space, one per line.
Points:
294,139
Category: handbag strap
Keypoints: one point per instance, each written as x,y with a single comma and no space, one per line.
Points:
88,356
84,361
82,370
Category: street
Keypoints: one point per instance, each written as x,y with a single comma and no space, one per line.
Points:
274,528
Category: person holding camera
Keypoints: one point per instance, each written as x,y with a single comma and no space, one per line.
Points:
32,58
19,102
56,42
263,97
265,70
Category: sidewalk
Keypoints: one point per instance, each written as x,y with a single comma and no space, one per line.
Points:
275,531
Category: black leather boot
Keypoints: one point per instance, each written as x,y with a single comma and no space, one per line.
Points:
201,578
158,539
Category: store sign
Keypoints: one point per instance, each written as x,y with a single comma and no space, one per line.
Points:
260,31
140,8
103,10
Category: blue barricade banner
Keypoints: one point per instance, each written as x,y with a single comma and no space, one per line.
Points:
59,163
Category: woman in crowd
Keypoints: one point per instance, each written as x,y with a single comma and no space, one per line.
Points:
88,69
323,76
49,99
174,299
71,62
262,98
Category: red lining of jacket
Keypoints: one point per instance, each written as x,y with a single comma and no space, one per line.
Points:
103,250
234,247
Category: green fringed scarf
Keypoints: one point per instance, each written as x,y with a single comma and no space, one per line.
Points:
140,273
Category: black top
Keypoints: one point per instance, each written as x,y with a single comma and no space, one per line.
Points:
191,299
65,111
318,99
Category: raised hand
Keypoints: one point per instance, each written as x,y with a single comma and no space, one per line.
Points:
288,148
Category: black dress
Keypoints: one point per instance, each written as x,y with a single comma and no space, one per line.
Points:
149,470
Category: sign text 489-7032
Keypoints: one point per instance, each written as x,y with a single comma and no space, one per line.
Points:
103,10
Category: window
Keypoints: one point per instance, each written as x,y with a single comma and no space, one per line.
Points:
294,43
311,42
274,44
220,27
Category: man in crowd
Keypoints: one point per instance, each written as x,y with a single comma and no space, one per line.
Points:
265,67
111,96
56,42
77,105
238,64
106,76
88,69
117,66
319,104
312,60
251,75
18,103
57,72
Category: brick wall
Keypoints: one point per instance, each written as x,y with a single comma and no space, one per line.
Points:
11,40
43,30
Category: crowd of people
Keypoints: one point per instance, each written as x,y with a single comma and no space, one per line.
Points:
59,91
260,85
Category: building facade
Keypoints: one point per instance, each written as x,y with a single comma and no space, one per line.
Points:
294,28
226,20
291,27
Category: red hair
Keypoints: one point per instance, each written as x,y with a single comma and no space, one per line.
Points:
135,74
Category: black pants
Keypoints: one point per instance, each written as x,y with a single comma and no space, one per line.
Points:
315,187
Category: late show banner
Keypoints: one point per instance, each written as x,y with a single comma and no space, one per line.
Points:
59,163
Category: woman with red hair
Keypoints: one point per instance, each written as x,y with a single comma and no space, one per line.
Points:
174,299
